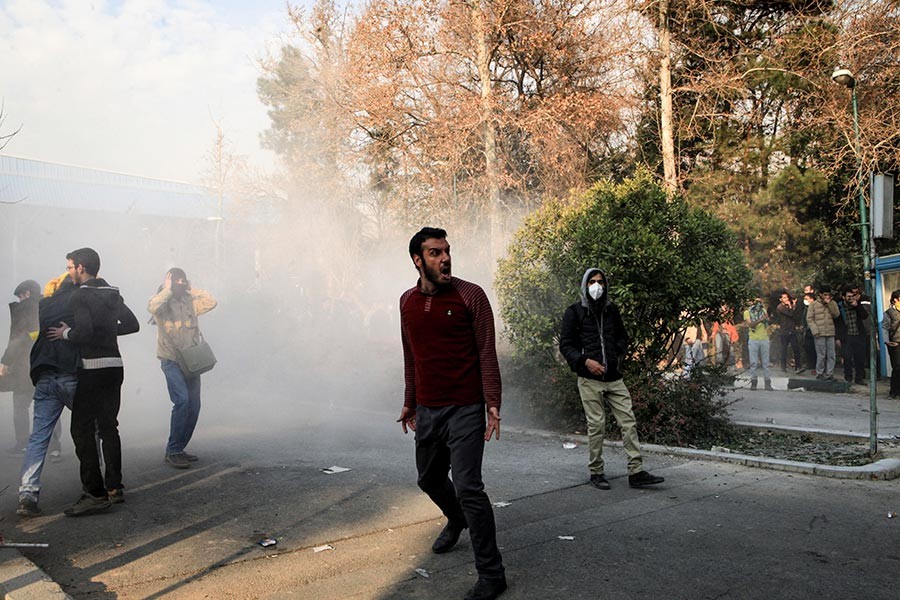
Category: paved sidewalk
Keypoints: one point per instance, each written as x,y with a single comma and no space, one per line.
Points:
839,413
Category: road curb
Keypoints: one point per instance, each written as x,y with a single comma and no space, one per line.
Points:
21,579
884,469
838,436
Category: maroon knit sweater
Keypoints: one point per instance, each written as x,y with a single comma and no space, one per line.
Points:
449,354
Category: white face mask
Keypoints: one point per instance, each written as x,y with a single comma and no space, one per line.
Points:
806,302
595,290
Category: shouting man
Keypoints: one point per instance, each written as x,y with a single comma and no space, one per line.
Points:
452,376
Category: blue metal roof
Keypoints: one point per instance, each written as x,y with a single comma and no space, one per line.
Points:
24,181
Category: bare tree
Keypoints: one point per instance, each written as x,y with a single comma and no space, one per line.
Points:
666,125
5,137
478,109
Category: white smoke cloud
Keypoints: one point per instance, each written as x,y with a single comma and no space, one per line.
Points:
131,86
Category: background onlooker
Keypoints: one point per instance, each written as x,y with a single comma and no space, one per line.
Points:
891,327
820,318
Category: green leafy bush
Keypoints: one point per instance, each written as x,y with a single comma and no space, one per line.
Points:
668,265
679,412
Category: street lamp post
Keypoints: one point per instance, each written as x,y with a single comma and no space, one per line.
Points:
845,78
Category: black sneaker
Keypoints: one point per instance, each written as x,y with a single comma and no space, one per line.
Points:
28,508
486,589
87,505
800,371
447,538
599,481
643,478
178,460
820,376
191,457
116,496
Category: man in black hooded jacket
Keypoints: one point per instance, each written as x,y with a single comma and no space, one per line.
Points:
54,372
100,316
594,342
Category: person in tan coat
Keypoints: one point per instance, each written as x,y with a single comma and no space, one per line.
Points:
820,318
175,309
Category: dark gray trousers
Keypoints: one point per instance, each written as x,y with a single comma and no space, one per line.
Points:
452,438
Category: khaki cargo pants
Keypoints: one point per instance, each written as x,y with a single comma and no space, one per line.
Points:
615,393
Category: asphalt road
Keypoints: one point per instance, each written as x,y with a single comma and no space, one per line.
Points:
712,531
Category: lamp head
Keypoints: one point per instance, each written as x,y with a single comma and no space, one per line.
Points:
844,77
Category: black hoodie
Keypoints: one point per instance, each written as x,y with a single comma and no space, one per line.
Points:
54,355
100,316
594,329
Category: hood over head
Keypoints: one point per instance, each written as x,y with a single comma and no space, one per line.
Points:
586,300
29,285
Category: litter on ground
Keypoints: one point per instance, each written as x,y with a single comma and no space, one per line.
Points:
334,469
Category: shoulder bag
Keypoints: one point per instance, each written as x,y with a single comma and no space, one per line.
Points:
196,360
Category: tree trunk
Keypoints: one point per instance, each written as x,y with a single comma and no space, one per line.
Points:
667,138
489,134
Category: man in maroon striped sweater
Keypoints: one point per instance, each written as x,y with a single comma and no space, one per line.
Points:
452,375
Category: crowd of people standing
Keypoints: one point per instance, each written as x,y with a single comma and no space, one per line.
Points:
813,332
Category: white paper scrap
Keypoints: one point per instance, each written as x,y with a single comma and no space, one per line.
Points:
323,548
501,504
334,469
569,445
423,573
566,537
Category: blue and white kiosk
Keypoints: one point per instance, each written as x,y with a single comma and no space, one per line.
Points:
887,279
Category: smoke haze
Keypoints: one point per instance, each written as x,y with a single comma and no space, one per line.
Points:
131,85
307,320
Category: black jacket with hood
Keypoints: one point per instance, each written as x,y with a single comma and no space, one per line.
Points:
100,316
594,329
57,356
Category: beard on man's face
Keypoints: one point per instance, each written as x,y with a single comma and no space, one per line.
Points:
433,275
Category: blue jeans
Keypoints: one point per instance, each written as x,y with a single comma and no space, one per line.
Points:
52,392
759,353
185,395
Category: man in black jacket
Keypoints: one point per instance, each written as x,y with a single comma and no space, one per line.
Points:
789,325
100,316
856,330
593,341
54,371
